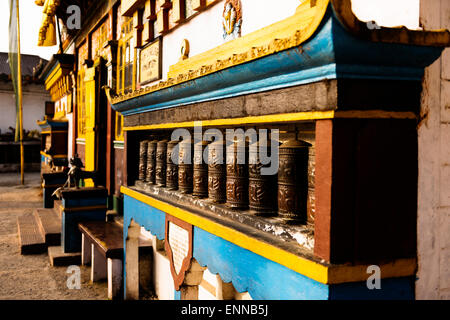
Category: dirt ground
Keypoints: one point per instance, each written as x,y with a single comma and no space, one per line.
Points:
32,277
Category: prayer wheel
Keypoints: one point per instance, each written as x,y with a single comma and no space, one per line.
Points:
262,189
172,168
151,162
237,175
185,167
161,165
216,172
200,183
142,159
293,180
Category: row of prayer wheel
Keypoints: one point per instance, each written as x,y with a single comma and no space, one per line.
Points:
238,184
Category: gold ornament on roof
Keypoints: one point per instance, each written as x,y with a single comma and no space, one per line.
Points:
232,19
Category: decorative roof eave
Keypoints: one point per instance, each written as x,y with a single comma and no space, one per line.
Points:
52,125
58,66
310,46
277,37
400,35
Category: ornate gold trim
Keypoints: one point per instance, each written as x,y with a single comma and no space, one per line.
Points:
277,37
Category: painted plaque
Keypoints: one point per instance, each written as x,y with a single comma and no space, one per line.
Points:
179,243
179,249
150,62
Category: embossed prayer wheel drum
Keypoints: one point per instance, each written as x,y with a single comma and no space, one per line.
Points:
217,172
262,188
143,159
161,165
237,175
151,162
185,167
293,181
200,183
172,168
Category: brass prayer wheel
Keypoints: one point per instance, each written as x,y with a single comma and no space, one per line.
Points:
161,165
237,175
142,159
293,180
151,162
172,168
216,172
185,167
262,189
200,183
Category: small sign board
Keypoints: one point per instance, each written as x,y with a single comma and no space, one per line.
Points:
150,66
178,247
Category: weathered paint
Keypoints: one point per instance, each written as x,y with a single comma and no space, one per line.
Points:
262,278
331,54
80,205
253,273
433,216
70,235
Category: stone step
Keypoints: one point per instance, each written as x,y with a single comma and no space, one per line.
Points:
31,241
50,226
58,258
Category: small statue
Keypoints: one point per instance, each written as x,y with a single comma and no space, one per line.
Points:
232,20
75,175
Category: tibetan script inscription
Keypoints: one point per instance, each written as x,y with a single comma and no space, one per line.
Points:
179,244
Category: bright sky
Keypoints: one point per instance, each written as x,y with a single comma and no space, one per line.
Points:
30,20
389,13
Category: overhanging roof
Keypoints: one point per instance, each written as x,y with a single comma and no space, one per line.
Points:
322,40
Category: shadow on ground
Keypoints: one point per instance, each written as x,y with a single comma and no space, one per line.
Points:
32,277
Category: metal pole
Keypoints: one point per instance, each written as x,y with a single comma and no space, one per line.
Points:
19,76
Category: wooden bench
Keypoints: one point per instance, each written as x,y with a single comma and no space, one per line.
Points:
102,247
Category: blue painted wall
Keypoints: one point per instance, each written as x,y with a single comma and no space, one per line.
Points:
250,272
262,278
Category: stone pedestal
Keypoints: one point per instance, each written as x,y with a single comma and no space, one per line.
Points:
79,205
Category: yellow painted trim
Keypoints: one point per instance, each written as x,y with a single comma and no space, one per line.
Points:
374,114
47,132
53,77
281,118
284,117
327,274
87,208
307,18
395,269
301,265
288,33
51,120
56,156
60,156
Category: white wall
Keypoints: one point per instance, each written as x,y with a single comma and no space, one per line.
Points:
33,106
204,32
